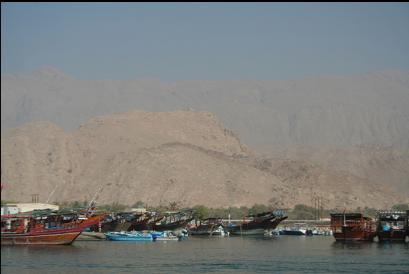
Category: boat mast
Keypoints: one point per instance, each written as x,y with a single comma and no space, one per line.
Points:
92,202
344,219
51,194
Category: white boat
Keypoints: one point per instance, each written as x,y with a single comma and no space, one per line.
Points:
165,236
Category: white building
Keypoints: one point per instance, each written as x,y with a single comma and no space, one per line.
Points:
26,207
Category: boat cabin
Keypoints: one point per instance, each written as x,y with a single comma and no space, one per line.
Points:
392,220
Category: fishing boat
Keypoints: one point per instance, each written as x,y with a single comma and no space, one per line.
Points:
143,221
165,236
128,236
298,229
391,226
124,221
120,221
208,227
256,224
172,221
352,227
44,228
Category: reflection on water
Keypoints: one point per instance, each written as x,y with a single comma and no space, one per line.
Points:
288,254
352,245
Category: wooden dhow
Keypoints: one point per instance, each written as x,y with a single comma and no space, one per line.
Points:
352,227
256,224
44,228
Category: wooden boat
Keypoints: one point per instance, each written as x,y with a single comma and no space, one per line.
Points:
152,221
115,222
391,226
352,227
256,224
208,227
143,221
122,221
172,221
44,229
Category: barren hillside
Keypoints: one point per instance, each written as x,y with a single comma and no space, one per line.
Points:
161,157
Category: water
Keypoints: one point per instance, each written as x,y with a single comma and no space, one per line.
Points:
279,254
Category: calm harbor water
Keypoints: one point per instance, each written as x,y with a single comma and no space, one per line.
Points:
277,254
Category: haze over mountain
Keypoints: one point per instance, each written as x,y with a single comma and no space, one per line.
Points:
324,134
332,111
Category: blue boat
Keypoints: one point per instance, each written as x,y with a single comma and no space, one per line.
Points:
129,236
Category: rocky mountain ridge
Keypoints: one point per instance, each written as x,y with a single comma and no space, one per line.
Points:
162,157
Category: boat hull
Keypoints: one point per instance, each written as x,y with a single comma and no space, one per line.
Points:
46,239
207,233
254,228
292,232
208,230
115,226
40,236
392,236
256,231
354,236
171,226
128,237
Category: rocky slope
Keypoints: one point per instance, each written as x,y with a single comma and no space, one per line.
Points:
162,157
353,131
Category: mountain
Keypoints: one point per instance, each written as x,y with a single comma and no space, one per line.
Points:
269,116
351,130
163,157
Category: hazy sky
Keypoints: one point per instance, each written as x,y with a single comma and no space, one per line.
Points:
173,41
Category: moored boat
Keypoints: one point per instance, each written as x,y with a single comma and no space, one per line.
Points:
144,221
299,229
116,222
165,236
352,227
208,227
128,236
51,228
391,226
122,221
172,221
256,224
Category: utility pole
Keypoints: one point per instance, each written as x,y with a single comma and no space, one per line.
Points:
35,198
318,202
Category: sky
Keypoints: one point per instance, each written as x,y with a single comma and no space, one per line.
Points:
192,41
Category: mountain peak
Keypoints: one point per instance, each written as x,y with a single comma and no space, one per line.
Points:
50,72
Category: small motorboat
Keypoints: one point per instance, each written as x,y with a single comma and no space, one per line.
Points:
296,230
129,236
165,236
